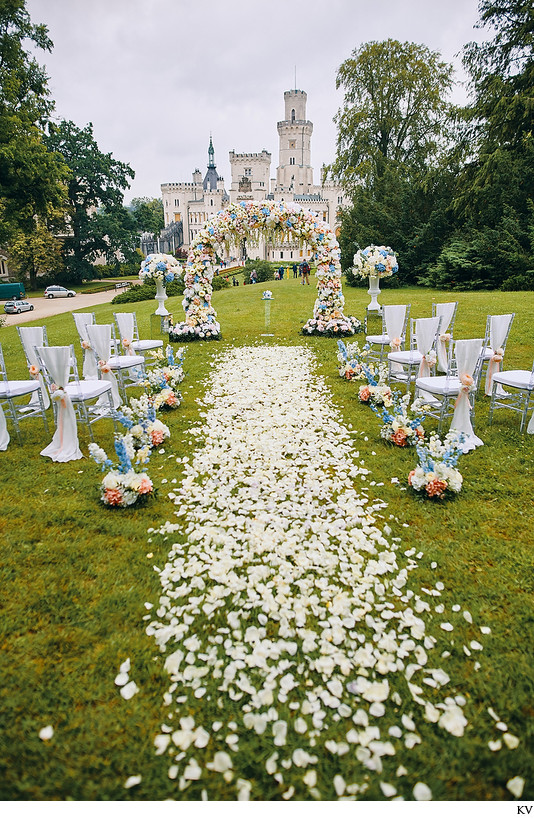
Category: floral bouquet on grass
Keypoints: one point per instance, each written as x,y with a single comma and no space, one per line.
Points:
375,261
351,360
377,391
122,486
402,425
143,427
267,294
160,267
161,383
437,474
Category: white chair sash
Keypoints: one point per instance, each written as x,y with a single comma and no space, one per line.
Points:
394,315
31,338
64,445
498,330
125,322
100,340
4,434
467,352
81,321
446,311
425,332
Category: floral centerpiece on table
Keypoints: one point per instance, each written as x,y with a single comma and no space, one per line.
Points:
160,267
122,485
267,294
375,260
377,391
436,475
402,424
351,360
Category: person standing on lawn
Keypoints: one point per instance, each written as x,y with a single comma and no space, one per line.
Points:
305,272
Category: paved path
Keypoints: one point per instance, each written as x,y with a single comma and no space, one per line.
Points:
53,307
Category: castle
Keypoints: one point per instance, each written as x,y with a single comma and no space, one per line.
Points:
193,203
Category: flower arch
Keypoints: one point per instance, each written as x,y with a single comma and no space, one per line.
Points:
276,222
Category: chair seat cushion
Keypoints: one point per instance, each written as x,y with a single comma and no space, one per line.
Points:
147,344
14,389
515,378
439,385
383,339
124,362
86,390
406,357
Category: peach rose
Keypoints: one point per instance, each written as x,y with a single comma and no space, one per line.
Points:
436,488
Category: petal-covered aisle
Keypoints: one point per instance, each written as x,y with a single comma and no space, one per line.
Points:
299,659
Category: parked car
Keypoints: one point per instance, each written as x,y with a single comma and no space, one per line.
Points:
55,291
17,306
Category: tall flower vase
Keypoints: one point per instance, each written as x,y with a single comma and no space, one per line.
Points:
160,297
374,291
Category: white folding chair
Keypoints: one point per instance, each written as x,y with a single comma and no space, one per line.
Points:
129,335
522,382
31,337
128,370
12,390
441,393
91,398
394,323
421,358
497,331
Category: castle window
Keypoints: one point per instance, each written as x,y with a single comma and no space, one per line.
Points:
247,172
176,203
292,143
293,115
291,160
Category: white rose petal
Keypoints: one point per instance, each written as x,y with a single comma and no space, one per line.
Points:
422,792
132,781
129,690
46,733
515,786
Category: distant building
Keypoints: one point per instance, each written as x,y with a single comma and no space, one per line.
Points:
194,203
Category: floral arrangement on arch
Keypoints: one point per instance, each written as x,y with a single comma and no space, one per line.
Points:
402,423
436,475
351,360
277,222
160,267
122,485
375,260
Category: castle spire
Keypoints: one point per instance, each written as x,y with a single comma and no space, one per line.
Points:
211,155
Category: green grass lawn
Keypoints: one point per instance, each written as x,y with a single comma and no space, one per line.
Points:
75,576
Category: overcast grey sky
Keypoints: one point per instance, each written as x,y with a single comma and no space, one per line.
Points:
155,77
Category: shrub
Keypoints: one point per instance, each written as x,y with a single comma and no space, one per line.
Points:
263,269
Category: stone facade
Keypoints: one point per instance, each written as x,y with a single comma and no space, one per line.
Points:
193,203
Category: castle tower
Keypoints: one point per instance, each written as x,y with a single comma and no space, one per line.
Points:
250,175
294,174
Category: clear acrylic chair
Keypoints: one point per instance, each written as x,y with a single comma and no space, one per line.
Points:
91,398
31,337
522,383
404,365
81,320
10,391
497,332
447,310
129,370
440,392
129,335
393,335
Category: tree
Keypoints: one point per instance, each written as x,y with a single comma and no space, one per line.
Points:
30,176
37,250
99,223
394,111
148,215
